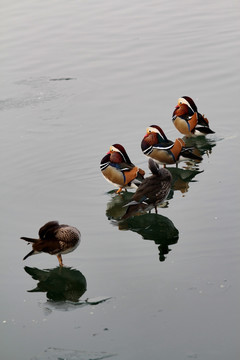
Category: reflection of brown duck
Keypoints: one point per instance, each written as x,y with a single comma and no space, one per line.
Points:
60,284
157,146
154,227
118,169
115,207
152,191
188,120
54,239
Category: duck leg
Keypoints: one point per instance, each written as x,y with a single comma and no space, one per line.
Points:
119,190
59,256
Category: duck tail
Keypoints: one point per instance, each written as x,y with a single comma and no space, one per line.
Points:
205,130
141,172
29,254
153,166
140,177
188,153
31,240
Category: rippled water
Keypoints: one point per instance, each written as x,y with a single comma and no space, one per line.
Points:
77,77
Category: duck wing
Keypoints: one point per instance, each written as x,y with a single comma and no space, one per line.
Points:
164,145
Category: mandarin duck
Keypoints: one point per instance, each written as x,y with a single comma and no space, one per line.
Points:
54,239
117,168
188,120
151,192
157,146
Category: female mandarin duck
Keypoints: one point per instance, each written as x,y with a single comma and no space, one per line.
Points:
117,168
54,239
156,145
188,120
152,191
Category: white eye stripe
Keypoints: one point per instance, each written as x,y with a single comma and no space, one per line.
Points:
113,148
152,129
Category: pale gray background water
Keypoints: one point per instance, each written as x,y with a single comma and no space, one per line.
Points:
76,77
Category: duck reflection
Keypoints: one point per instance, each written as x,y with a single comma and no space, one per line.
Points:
182,177
154,227
116,206
60,283
202,143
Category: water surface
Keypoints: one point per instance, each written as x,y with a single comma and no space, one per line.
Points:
77,77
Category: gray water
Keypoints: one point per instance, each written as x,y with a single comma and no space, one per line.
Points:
77,77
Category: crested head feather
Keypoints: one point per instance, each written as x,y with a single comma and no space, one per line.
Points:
119,148
189,102
158,130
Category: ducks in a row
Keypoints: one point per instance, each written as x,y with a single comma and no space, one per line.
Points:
116,166
118,169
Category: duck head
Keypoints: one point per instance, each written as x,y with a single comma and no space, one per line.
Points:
185,106
118,154
154,135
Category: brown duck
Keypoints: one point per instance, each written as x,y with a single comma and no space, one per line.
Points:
54,239
152,191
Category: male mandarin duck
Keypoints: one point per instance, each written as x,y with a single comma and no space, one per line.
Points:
156,145
188,120
117,168
54,239
152,191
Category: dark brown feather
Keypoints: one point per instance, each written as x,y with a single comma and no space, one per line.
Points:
54,239
152,191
